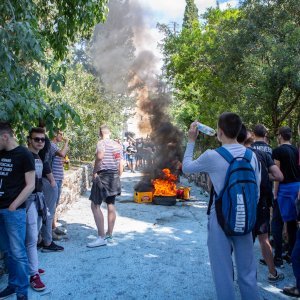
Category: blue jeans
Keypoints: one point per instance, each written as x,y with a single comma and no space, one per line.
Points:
296,260
59,188
12,243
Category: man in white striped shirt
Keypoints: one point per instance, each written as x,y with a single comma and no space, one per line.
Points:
106,184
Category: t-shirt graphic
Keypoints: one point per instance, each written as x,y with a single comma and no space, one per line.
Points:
13,166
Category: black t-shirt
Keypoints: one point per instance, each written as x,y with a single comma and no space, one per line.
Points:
262,146
265,185
13,166
131,151
288,156
38,173
46,158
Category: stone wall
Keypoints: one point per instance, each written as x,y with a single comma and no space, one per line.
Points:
76,182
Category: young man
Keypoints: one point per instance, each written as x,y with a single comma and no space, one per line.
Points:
17,181
50,192
106,184
220,245
34,205
261,230
58,156
294,291
286,157
260,135
131,153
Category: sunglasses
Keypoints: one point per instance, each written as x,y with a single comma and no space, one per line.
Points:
37,139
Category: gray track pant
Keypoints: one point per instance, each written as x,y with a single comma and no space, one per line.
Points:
220,249
50,194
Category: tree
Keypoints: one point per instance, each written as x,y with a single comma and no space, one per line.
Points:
35,36
244,60
190,15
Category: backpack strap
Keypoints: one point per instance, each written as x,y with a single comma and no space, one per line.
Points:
225,154
248,155
211,199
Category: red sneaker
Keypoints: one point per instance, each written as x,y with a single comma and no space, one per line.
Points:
36,283
41,272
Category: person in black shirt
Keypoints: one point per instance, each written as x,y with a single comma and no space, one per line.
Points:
35,207
286,157
268,171
17,181
260,134
294,291
131,151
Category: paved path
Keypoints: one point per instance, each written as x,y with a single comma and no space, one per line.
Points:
159,252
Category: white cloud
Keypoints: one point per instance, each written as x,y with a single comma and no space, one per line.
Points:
231,3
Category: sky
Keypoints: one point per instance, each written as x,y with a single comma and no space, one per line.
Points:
168,12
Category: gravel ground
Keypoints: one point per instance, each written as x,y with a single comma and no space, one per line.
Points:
159,252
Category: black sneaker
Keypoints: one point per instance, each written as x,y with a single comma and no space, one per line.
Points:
278,262
7,292
52,248
287,258
262,262
40,245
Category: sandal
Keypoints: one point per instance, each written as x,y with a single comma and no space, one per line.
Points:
291,291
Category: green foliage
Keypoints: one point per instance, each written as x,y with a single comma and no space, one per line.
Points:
244,60
190,15
35,36
95,106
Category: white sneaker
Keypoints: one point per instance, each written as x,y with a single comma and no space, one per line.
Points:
97,243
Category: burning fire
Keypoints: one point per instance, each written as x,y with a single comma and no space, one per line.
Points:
165,186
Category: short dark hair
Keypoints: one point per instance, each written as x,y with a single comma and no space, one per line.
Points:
242,136
230,123
285,132
5,127
36,130
42,123
260,130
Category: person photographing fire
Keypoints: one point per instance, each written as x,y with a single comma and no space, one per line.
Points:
106,184
220,244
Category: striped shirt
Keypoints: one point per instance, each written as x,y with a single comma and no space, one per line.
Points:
57,163
112,155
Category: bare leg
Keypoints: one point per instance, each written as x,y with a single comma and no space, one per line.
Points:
266,251
98,217
111,218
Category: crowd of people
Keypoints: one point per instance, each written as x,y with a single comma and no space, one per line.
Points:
138,153
30,187
246,171
263,185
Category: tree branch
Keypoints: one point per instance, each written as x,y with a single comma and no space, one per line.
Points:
290,108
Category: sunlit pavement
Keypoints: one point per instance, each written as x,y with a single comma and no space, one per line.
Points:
158,252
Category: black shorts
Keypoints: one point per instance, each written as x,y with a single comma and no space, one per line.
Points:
110,200
262,224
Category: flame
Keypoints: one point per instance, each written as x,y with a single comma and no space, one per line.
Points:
165,186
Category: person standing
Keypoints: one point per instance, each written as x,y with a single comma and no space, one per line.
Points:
17,182
262,225
58,156
50,192
35,208
260,135
106,184
131,152
220,245
294,291
286,157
